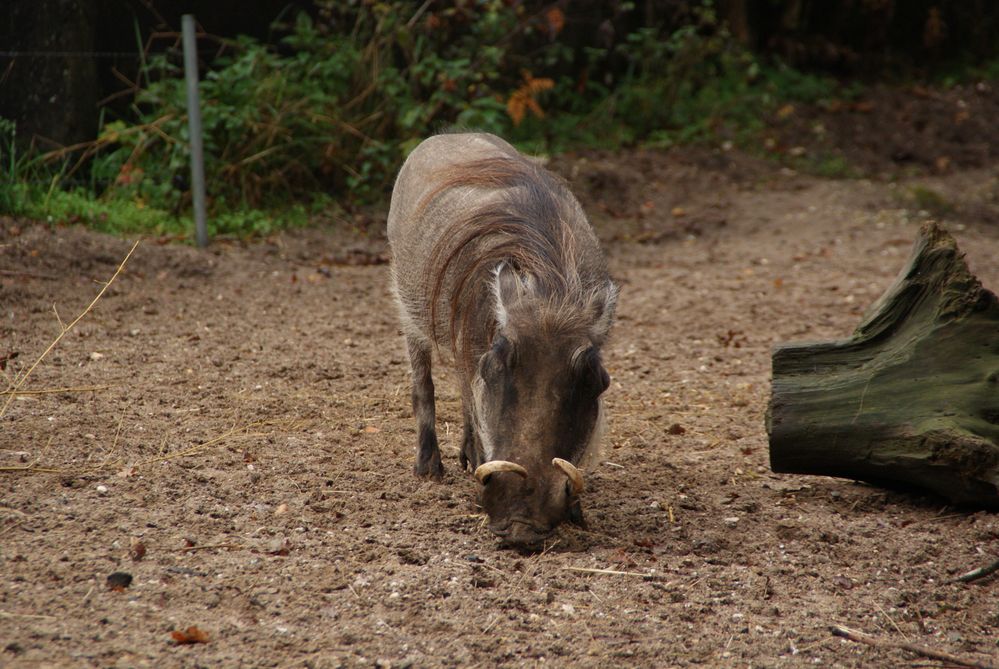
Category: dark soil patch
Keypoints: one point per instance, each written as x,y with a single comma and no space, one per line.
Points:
892,132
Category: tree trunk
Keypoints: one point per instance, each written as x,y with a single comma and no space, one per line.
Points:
912,398
737,18
50,90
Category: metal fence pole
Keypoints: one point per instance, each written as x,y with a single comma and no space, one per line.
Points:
194,127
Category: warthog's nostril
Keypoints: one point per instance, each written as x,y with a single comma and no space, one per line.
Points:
521,532
500,531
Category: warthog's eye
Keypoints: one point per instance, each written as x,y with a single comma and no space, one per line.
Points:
503,350
499,358
497,361
590,373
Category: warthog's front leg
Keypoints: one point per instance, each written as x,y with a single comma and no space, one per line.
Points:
428,455
471,452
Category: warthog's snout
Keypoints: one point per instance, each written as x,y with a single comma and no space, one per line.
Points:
524,508
520,533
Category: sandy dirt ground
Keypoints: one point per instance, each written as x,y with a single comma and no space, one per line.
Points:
231,429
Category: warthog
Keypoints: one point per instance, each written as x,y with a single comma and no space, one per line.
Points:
495,263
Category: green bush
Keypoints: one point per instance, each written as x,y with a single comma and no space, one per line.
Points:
330,110
326,110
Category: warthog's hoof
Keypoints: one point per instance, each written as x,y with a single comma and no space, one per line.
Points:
430,468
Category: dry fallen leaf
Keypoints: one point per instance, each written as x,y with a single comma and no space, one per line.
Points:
137,549
118,581
523,99
4,359
191,635
555,21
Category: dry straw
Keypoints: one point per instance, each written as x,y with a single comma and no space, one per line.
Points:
15,388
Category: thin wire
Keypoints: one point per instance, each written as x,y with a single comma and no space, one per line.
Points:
69,54
87,54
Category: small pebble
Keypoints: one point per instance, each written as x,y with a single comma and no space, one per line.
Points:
278,547
102,490
731,521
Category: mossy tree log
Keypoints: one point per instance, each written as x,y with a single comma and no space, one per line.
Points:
911,398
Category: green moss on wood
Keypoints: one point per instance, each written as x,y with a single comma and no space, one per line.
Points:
911,397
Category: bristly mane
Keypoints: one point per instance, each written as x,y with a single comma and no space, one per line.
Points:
526,225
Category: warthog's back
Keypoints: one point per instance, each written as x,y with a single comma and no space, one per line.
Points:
462,203
494,259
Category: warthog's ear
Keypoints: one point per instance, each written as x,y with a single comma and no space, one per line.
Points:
502,279
508,287
604,304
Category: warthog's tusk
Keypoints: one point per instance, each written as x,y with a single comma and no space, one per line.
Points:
488,468
575,476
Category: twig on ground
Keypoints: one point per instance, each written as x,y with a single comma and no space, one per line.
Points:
981,572
191,549
19,381
8,528
490,624
861,637
937,519
51,391
893,623
114,444
35,469
29,275
600,535
612,572
33,466
236,430
34,616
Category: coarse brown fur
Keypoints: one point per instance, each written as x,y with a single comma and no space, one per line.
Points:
495,261
529,231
